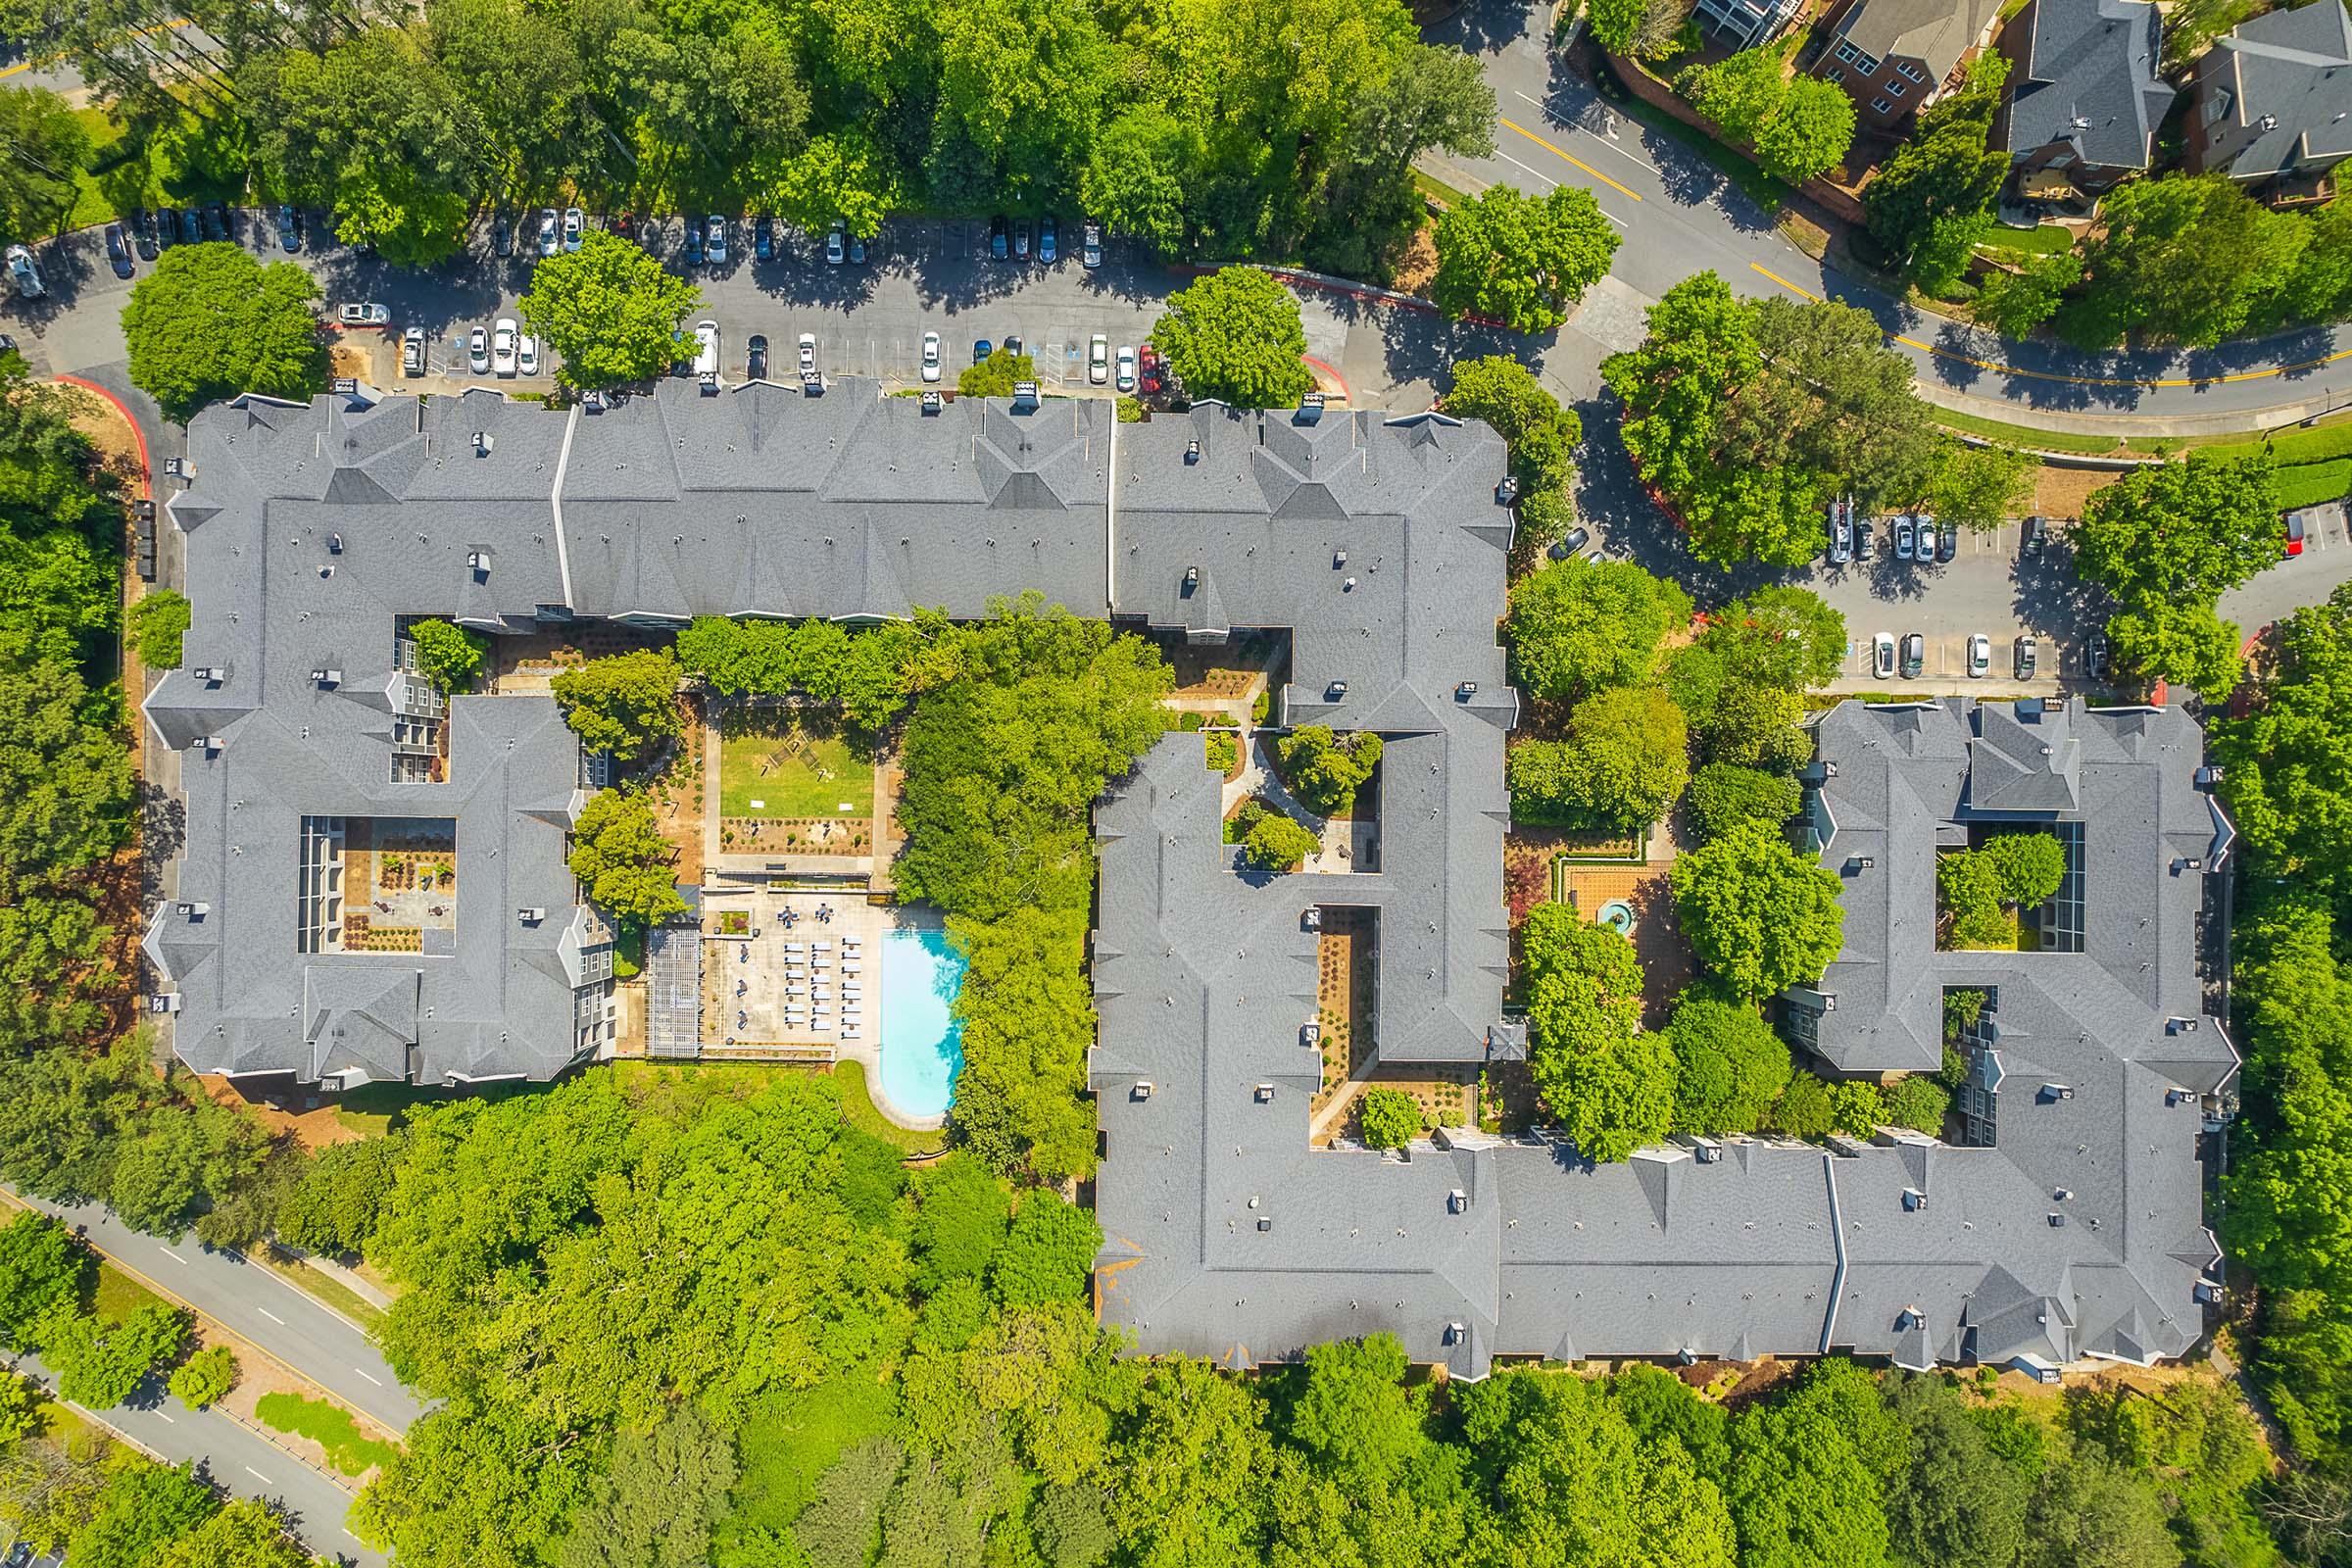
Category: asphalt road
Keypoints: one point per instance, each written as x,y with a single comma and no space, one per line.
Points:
1679,216
235,1457
249,1300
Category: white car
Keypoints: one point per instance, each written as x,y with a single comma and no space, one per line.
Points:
24,274
837,243
478,351
502,346
808,355
412,352
1125,376
1882,654
1098,359
1979,656
551,232
930,356
715,242
526,355
366,313
575,225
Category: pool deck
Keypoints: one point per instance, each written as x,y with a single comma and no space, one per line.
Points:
749,989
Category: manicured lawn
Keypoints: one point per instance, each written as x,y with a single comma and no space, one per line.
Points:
181,163
1438,190
330,1426
119,1295
2046,240
797,772
2023,435
321,1288
2324,444
2309,483
858,1110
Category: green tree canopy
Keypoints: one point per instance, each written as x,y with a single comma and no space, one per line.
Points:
609,311
1325,772
1730,1065
1722,796
1522,260
1759,915
2185,259
450,656
1624,763
655,1505
43,1270
1234,335
1934,198
2015,303
623,864
1578,625
143,1508
1277,843
1610,1085
1808,1474
2168,540
154,625
624,703
1798,128
210,321
1047,1255
2288,761
100,1362
203,1378
1389,1118
997,375
1543,435
1955,1500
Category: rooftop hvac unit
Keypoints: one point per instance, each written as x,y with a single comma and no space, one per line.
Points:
1311,1033
2207,1292
1466,690
482,443
1914,1200
195,909
1264,1223
327,675
163,1002
2175,1096
1457,1333
2057,1092
1192,453
1141,1090
210,674
1508,491
933,403
334,544
592,403
344,385
1310,408
531,915
1191,577
709,382
1264,1093
176,469
1335,690
1024,395
2180,1026
1457,1201
2057,1222
1311,918
208,744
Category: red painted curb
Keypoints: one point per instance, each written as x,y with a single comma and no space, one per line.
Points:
146,468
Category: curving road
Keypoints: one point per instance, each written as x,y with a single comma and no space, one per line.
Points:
1679,215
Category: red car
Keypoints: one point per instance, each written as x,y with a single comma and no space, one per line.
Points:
2294,533
1147,365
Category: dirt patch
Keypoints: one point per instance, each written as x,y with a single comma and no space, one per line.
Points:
307,1116
1420,262
2060,492
352,360
1343,976
677,795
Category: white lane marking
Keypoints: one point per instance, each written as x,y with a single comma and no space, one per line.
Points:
1547,180
168,1416
271,1316
362,1371
258,1476
175,1257
1609,141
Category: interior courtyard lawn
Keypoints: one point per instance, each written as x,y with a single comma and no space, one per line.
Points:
794,771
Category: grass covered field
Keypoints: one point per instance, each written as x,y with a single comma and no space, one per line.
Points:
794,771
330,1426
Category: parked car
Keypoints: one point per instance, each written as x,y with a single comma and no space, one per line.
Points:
142,233
1915,655
1865,547
1570,543
2031,537
808,355
575,228
756,361
980,349
1902,538
837,246
856,251
1148,362
694,242
2021,657
2099,656
20,1555
412,352
1049,239
1882,654
1012,344
1098,359
117,249
1021,240
1947,537
1979,656
706,352
1123,377
502,236
367,312
551,232
478,351
26,276
526,355
764,238
216,221
930,356
714,239
1842,535
1000,238
191,225
1091,254
625,225
2295,529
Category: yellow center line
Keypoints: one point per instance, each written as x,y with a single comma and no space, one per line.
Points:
2077,380
1572,158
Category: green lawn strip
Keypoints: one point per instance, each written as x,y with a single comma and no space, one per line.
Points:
2046,240
2308,484
2324,444
119,1295
1438,190
797,786
858,1110
348,1449
2019,435
324,1289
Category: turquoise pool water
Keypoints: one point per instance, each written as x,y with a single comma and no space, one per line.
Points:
921,1036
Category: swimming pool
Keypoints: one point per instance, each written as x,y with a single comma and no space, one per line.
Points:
921,971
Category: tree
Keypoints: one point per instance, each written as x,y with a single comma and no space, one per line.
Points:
2168,541
2089,1513
1934,198
1641,28
143,1510
622,862
1134,177
655,1507
210,321
2029,865
1235,336
961,1220
1979,487
1919,1102
2288,761
1724,795
1610,1085
1325,773
204,1377
1389,1118
609,311
20,1413
100,1363
153,626
1543,436
242,1534
1955,1500
1807,1474
47,148
1192,1469
1730,1066
1577,625
1523,261
42,1271
334,1208
2016,303
997,375
1815,1108
2322,288
1047,1255
1809,134
1758,914
450,656
2187,259
839,176
1740,93
838,1529
1277,843
624,703
1624,763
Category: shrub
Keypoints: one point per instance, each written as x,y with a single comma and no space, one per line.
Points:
1222,752
1391,1118
1277,843
1323,770
1918,1102
154,627
626,704
450,656
1723,794
205,1377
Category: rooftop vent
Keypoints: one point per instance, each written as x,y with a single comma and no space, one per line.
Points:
1311,919
482,443
1191,577
2057,1221
2056,1091
2268,122
1335,690
327,675
1310,408
2080,123
531,915
1264,1093
933,403
479,561
344,385
1466,690
1141,1090
1264,1223
208,744
1192,451
2061,1195
1508,491
1024,396
177,469
195,910
1457,1201
592,403
1914,1200
1347,585
2180,1026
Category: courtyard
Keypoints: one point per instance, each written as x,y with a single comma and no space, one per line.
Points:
793,781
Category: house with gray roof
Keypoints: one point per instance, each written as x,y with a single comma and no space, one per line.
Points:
2084,97
2273,103
1893,57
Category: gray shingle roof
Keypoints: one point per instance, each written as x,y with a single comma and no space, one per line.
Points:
1935,32
2293,66
2089,80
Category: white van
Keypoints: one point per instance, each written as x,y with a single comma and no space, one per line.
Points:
705,356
